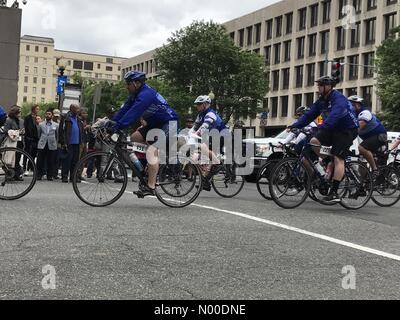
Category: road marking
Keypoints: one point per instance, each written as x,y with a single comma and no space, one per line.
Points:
305,232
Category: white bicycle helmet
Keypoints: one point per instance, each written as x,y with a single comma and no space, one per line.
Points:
356,98
203,99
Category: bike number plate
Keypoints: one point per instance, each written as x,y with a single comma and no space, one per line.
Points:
326,151
138,147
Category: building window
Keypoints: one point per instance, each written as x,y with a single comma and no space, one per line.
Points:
268,27
43,90
110,69
277,52
286,78
77,64
355,36
241,38
310,74
25,89
27,59
299,76
275,80
34,90
36,48
370,30
324,42
26,69
390,2
312,43
42,100
351,92
249,36
232,35
298,102
300,47
28,47
109,76
109,60
88,66
274,105
36,60
390,23
43,80
284,106
309,99
314,16
326,11
323,68
353,67
35,70
342,4
44,61
288,48
25,99
45,49
34,80
368,61
371,5
26,79
278,26
357,6
258,32
44,71
267,55
341,38
302,18
367,95
289,23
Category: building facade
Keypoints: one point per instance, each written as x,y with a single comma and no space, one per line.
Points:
38,69
296,39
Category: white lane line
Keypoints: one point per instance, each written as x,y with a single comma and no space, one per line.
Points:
305,232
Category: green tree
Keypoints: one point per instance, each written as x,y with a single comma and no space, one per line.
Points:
26,108
387,61
203,58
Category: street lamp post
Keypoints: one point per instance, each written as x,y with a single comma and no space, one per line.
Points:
61,80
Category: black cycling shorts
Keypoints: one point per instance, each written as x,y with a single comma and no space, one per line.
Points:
340,141
374,143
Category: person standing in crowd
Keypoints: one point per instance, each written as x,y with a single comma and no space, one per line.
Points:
47,147
56,119
70,137
31,136
56,116
3,116
14,122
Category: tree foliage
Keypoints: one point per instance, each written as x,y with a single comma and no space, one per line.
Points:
202,58
26,108
387,61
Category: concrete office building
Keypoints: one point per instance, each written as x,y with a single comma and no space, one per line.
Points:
295,37
39,68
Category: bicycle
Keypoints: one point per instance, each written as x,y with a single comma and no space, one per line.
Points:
292,179
13,185
173,189
224,180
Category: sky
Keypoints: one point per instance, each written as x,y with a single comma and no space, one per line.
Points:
124,28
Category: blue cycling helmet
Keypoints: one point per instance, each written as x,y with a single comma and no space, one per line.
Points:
134,76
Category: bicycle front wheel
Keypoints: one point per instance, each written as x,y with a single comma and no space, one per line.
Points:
289,183
263,178
13,184
226,183
100,179
387,187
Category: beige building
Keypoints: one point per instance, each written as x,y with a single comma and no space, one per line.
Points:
39,68
295,37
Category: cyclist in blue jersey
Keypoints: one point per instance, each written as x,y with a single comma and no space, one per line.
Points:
339,129
371,131
3,116
144,102
207,120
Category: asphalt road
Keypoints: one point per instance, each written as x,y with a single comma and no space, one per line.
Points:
242,248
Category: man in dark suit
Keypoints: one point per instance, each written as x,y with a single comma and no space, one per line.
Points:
31,136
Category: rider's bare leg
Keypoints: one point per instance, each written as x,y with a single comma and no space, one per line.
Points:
153,166
369,157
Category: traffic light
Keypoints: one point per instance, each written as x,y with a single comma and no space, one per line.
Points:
336,69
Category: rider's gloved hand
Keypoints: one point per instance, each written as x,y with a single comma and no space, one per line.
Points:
111,126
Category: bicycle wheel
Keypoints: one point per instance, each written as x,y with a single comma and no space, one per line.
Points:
226,183
13,185
386,187
263,178
178,184
104,186
357,186
289,183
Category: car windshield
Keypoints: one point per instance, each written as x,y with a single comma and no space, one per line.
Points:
282,135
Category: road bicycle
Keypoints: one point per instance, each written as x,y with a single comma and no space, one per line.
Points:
173,187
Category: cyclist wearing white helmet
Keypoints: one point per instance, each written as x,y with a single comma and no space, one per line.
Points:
208,119
371,131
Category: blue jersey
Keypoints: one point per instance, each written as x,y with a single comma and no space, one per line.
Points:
150,105
373,126
209,120
337,113
3,116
